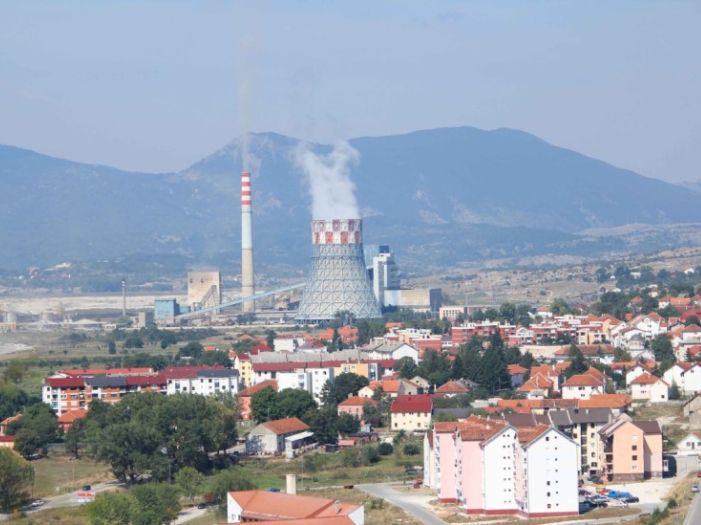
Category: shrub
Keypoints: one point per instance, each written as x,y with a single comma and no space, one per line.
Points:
410,449
385,449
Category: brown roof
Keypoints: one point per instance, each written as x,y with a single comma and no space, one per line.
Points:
247,392
356,401
476,428
286,426
645,379
606,401
527,435
452,387
649,427
261,505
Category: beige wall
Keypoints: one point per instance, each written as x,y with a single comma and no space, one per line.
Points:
410,421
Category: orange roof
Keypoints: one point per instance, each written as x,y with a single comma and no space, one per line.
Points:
260,505
536,382
356,401
584,379
606,401
516,369
561,367
646,379
527,435
452,387
5,422
286,426
72,416
247,392
317,520
476,428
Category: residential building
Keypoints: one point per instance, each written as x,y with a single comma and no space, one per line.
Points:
7,442
687,377
267,508
411,413
355,406
487,466
5,423
538,386
204,381
246,395
583,386
390,387
452,389
690,445
287,436
647,387
518,375
630,450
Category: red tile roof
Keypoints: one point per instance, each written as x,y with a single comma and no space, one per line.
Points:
616,401
286,426
356,401
65,382
452,387
646,379
409,404
516,369
584,379
526,435
248,392
260,505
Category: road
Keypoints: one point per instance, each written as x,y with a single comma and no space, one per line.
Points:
402,500
189,514
693,515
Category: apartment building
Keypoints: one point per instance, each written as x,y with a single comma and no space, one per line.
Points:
203,381
487,466
630,450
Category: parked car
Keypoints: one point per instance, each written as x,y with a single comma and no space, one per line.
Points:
695,487
86,487
631,499
202,505
599,501
37,503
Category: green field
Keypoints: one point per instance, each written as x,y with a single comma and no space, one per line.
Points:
58,473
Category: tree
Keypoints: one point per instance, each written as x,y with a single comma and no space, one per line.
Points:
662,347
74,437
12,399
385,449
264,405
225,481
37,428
344,385
668,311
560,307
578,364
192,349
347,424
293,402
270,339
507,311
492,372
407,368
14,372
621,355
157,503
324,423
435,368
674,391
111,508
526,360
16,477
190,482
692,320
111,347
411,449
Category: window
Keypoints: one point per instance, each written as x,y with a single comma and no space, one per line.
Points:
635,458
634,447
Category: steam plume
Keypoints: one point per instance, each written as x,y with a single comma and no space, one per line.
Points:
333,192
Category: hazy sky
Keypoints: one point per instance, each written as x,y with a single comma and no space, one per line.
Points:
150,85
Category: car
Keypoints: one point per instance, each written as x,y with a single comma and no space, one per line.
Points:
86,487
695,488
37,503
202,505
273,489
630,499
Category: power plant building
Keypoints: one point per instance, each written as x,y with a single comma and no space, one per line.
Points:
339,279
203,289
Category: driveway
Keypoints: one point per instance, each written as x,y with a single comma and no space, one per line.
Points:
405,501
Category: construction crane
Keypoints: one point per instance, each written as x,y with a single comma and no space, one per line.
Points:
241,300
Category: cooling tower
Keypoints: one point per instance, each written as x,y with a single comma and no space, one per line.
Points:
247,284
338,281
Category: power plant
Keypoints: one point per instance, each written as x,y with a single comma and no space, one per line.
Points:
247,283
338,281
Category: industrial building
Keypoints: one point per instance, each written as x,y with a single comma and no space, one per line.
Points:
338,281
203,289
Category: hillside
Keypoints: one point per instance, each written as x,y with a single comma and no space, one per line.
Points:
461,193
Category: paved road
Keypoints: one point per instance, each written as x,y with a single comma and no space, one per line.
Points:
403,501
693,515
189,514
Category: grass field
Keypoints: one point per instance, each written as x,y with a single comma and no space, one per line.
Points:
58,474
67,516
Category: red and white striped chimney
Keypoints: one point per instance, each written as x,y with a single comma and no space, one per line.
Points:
247,283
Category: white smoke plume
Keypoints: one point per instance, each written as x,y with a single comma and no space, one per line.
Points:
332,190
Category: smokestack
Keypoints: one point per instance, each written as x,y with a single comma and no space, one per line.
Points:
247,284
292,484
124,297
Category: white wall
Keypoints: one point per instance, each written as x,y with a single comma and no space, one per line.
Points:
499,471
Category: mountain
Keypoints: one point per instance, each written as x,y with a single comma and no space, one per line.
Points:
438,196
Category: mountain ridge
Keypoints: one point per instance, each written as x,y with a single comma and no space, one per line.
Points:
462,192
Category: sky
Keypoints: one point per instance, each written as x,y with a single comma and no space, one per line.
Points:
157,85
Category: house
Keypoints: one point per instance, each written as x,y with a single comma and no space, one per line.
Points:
583,386
266,507
390,387
410,413
246,395
538,386
7,442
394,351
687,377
278,436
66,420
487,466
311,376
355,406
649,388
690,445
452,389
517,374
640,368
5,423
630,450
